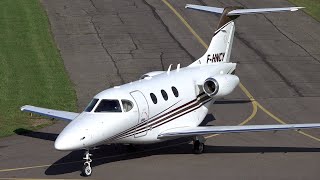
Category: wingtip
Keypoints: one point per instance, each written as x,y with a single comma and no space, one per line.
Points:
188,5
22,108
296,8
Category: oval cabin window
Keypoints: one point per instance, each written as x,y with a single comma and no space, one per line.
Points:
164,94
154,98
175,91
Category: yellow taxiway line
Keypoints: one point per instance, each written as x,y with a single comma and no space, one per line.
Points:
255,104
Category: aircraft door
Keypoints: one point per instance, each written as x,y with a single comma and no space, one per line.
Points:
143,110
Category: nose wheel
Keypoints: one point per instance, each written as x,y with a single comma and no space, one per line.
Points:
86,169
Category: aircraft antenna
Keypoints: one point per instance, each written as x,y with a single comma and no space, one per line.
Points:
168,72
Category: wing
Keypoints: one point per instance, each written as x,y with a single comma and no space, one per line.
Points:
240,11
62,115
189,131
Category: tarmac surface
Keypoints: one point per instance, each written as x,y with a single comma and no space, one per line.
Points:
106,43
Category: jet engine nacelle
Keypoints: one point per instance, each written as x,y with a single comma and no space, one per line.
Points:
150,74
220,85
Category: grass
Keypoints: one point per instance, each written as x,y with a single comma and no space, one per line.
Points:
312,7
31,69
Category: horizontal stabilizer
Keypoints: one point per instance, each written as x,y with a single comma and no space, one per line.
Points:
50,113
195,131
205,8
262,10
237,12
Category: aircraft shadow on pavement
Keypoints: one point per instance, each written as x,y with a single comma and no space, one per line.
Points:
224,101
113,153
34,134
73,162
209,118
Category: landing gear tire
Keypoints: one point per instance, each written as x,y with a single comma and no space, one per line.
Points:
198,147
131,148
86,170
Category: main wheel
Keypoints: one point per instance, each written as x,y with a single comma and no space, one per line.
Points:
86,170
131,148
198,147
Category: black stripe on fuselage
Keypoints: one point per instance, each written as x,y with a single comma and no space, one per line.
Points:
141,124
169,118
135,128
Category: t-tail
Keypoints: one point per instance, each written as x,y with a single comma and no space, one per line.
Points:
219,50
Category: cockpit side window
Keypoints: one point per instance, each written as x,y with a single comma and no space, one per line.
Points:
91,105
107,105
127,105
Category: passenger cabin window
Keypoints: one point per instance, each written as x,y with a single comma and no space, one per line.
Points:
91,105
106,105
164,94
154,98
127,105
175,91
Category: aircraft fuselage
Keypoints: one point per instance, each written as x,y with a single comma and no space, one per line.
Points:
175,105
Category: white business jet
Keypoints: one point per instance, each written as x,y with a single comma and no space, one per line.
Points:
163,105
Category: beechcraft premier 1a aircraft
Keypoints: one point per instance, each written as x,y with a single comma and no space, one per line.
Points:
163,105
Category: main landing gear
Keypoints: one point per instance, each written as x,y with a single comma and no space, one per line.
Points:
198,144
86,169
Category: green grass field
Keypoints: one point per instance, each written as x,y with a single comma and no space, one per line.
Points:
312,7
31,69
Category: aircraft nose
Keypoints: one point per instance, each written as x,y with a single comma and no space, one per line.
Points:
59,144
63,143
68,141
78,134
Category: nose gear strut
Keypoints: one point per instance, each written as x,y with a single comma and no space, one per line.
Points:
86,169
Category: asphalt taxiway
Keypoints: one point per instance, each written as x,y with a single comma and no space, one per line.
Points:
106,43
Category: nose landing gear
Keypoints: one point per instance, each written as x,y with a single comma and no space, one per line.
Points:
86,169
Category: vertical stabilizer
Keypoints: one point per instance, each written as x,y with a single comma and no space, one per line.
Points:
220,46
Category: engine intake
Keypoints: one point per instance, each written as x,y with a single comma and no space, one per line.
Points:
211,86
220,85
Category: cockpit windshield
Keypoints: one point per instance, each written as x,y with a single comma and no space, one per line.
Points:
91,105
107,105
